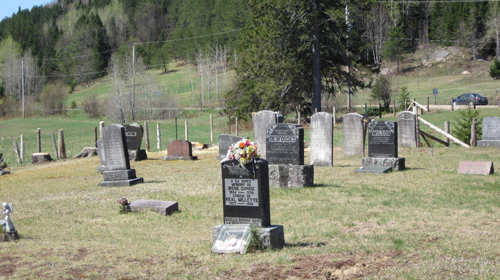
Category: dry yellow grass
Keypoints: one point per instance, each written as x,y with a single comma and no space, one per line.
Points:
427,222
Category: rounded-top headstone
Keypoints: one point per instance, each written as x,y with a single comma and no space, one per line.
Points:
354,135
133,134
261,121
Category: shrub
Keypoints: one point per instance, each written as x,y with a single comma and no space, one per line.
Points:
495,69
91,106
53,98
464,122
382,91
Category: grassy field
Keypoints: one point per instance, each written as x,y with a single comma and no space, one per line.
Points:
427,222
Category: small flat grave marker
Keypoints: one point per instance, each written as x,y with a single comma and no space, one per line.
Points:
476,167
161,207
374,169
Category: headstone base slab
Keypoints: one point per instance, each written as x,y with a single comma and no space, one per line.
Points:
488,143
161,207
272,237
180,158
291,176
374,169
118,175
397,164
137,155
121,183
9,236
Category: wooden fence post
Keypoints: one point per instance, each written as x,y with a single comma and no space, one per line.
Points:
16,150
62,145
447,130
158,136
211,128
334,115
186,130
22,150
38,140
55,146
95,136
146,131
428,108
394,107
452,105
236,123
473,136
101,127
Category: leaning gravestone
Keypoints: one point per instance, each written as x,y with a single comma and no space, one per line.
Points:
261,120
491,133
245,196
285,154
476,167
133,134
118,172
102,156
382,147
407,129
322,139
179,150
354,135
226,141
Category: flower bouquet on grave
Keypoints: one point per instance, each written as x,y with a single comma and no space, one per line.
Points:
245,152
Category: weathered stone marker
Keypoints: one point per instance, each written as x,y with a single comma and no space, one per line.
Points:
476,167
179,150
226,141
354,135
322,139
118,172
134,134
491,132
261,120
245,196
407,129
161,207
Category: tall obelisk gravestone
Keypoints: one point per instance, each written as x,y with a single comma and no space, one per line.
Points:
118,172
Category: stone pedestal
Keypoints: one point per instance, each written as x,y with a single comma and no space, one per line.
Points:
120,178
271,237
291,176
397,164
137,155
488,143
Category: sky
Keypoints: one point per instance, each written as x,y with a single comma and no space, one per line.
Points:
9,7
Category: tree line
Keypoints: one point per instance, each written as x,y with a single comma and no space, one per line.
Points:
74,42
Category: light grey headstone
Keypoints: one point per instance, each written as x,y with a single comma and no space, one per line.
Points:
100,151
491,128
354,135
225,141
407,129
115,147
261,121
322,139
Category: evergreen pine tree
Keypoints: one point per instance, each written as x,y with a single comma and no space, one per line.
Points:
464,122
495,69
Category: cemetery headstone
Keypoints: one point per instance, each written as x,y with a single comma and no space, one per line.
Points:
285,144
225,141
382,147
161,207
354,135
134,134
407,129
476,167
322,139
245,196
118,172
261,120
102,156
285,154
179,150
491,132
382,139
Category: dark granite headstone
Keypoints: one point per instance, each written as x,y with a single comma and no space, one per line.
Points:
322,139
261,120
407,129
245,193
179,150
133,134
285,144
118,172
491,133
354,135
225,141
383,139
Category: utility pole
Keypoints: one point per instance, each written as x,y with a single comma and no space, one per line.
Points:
316,86
22,81
133,81
348,60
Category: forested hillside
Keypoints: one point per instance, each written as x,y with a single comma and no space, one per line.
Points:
73,42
